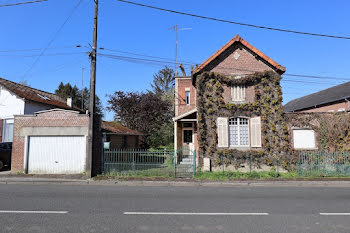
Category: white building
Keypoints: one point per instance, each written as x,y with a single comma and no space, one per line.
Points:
17,99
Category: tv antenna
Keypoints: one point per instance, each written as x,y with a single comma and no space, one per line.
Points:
176,29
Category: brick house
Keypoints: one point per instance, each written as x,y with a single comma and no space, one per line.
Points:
333,99
18,99
234,63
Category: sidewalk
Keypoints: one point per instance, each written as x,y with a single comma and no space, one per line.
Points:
174,183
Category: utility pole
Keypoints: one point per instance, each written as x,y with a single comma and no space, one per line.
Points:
82,88
176,29
92,97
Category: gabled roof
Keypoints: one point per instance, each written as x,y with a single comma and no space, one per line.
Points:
238,39
117,128
324,97
32,94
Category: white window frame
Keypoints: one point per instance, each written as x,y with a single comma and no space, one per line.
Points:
5,133
238,93
341,109
188,98
238,132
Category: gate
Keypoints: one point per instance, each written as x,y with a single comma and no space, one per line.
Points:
139,162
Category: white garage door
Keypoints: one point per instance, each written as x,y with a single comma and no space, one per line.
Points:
56,154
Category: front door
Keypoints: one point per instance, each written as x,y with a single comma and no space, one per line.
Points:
187,143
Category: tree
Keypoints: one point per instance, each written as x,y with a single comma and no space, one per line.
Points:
145,112
163,82
67,90
163,86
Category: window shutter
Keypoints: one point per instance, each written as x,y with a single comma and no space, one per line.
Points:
222,130
255,129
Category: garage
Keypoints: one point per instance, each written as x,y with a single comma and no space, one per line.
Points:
56,154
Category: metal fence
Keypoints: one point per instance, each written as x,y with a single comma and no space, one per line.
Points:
169,163
324,164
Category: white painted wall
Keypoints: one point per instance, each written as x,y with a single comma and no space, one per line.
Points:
10,104
32,107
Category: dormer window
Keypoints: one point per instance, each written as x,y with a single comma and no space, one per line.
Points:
238,93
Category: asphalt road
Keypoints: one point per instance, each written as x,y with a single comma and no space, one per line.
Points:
88,208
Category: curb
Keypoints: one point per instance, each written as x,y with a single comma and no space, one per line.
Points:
141,183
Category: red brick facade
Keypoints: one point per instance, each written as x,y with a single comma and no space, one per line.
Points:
183,85
46,119
332,107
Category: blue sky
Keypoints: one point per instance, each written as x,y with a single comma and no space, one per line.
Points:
140,30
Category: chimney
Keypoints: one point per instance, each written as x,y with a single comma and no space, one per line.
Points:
70,101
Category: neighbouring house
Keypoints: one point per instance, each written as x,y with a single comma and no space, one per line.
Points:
229,102
18,99
333,99
116,136
55,142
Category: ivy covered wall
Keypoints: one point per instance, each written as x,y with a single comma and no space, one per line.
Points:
332,130
267,104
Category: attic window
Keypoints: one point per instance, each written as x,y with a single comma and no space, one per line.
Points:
44,97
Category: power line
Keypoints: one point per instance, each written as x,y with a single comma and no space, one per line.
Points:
143,55
166,61
237,23
22,3
53,38
37,55
126,58
35,49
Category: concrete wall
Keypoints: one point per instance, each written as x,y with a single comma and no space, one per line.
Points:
48,123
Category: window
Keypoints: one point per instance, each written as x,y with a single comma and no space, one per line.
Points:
8,130
238,132
341,110
188,96
188,136
304,139
238,93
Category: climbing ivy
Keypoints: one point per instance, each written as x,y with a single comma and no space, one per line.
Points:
267,104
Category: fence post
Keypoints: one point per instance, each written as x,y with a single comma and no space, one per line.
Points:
299,169
250,163
194,162
174,162
133,160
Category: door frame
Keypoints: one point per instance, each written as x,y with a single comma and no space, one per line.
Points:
183,132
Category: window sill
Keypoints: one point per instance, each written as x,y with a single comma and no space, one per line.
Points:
240,147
